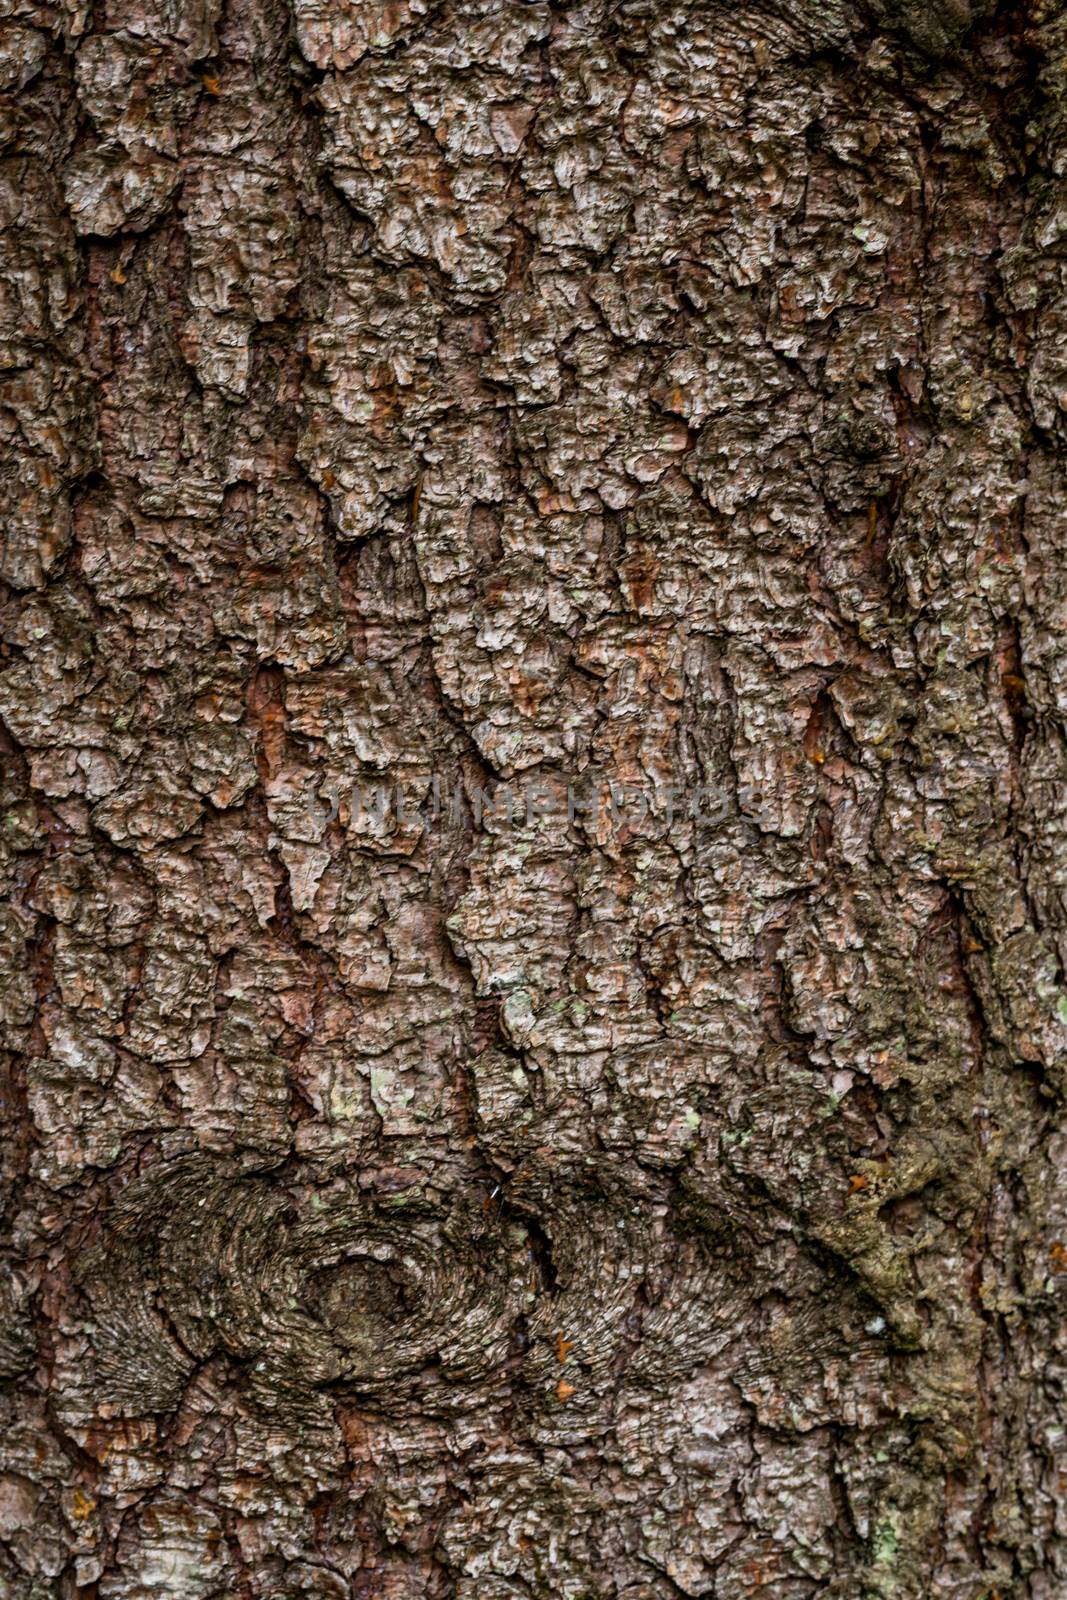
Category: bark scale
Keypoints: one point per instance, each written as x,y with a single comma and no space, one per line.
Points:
615,1201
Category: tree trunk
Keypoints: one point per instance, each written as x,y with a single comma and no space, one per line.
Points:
535,677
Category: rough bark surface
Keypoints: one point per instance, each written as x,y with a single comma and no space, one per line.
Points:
601,1206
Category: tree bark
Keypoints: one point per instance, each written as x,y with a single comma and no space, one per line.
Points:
534,672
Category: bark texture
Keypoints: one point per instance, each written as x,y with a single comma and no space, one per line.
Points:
597,1207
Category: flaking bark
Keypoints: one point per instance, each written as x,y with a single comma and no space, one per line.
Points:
590,1204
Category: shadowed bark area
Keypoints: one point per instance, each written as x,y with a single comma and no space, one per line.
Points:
656,1191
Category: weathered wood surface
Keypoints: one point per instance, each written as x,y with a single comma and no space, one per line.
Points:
604,1208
